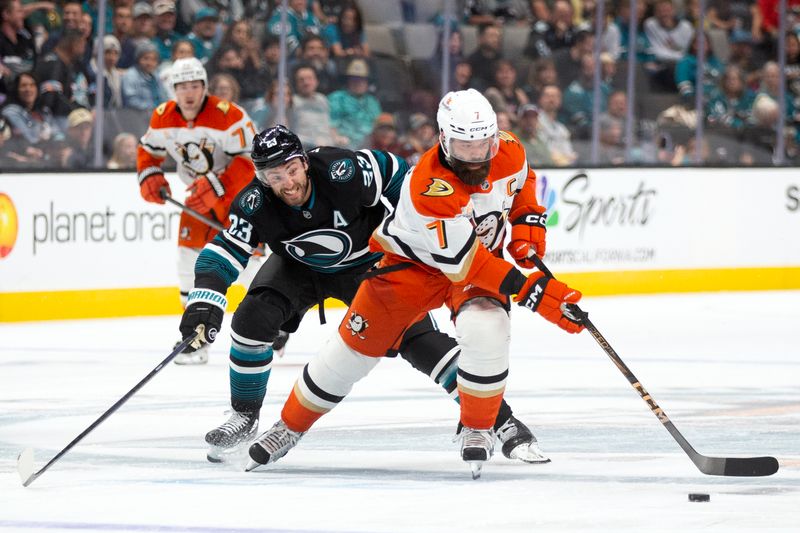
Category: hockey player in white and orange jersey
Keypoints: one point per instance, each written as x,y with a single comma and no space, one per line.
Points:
209,139
442,245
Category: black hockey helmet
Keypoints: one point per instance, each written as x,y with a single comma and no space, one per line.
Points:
276,146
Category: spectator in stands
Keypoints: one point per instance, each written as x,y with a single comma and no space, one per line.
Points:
421,136
80,123
353,109
505,121
314,52
123,156
181,49
734,15
301,21
793,66
541,72
462,76
165,20
384,134
122,21
578,103
59,79
506,94
528,132
16,153
612,147
497,12
205,33
769,87
488,52
567,61
617,109
30,121
227,10
224,86
141,89
112,76
553,133
144,24
265,113
346,38
686,155
311,110
730,104
670,38
550,35
239,36
770,22
432,70
327,11
643,53
686,71
270,59
71,12
742,54
17,48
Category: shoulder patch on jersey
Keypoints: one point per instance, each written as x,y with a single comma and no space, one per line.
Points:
251,201
224,106
342,170
508,137
438,187
161,108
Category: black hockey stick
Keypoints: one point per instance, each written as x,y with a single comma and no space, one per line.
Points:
25,459
713,466
202,218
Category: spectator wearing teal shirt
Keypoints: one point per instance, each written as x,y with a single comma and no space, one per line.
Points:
576,111
205,35
686,73
301,22
730,104
353,110
166,17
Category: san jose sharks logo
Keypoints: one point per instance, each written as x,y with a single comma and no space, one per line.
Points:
198,159
320,248
251,201
342,170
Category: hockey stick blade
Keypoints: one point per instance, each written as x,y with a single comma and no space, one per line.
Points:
712,466
25,459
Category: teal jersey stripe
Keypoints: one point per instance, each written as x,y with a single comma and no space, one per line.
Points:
210,262
235,251
392,177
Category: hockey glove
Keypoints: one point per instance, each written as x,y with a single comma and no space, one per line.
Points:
549,297
527,235
204,308
151,181
205,193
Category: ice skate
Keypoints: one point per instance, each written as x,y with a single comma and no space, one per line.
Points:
519,443
197,357
229,437
272,445
477,446
279,343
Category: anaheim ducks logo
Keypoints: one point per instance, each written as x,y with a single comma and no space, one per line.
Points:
198,159
320,248
357,325
487,228
438,187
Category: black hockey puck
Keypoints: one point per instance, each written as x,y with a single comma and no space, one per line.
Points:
699,497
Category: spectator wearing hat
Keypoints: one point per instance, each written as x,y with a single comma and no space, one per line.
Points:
112,86
205,34
122,22
144,24
228,11
384,134
79,137
165,20
353,109
301,21
421,136
528,133
141,89
17,48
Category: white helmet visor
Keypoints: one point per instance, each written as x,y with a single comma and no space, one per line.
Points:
474,150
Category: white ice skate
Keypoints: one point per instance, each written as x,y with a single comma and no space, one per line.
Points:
477,446
228,438
519,443
197,357
272,445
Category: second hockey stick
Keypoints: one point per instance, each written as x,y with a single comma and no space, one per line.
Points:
25,459
713,466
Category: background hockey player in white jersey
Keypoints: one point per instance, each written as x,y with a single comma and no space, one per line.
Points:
316,212
209,139
442,245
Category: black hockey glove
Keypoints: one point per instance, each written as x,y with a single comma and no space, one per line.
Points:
204,308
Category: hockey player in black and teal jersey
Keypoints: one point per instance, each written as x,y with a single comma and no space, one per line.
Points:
316,211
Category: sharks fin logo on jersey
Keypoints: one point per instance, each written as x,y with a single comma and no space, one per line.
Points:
342,170
251,201
488,228
438,187
320,248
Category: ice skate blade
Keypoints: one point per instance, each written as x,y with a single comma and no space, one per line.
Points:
476,467
251,465
529,454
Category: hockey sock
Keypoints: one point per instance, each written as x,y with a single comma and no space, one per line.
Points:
249,373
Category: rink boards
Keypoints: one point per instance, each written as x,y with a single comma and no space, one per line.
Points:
87,245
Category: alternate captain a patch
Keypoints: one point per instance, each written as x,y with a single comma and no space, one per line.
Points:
342,170
438,187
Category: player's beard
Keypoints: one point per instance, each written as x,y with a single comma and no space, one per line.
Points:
469,175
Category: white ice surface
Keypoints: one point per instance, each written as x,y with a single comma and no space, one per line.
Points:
725,368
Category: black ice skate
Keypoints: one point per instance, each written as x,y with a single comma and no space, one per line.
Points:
226,439
272,445
519,443
477,446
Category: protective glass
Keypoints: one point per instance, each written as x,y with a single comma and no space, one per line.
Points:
475,150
